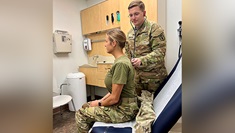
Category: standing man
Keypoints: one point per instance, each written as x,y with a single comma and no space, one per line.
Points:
146,47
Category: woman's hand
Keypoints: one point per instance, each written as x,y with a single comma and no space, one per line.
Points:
94,103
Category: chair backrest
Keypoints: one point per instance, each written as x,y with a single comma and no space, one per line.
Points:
167,101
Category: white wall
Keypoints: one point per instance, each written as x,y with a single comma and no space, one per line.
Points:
93,2
169,14
66,16
161,13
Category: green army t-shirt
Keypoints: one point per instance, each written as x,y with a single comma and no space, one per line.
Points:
122,72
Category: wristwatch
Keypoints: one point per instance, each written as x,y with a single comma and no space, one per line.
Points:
99,103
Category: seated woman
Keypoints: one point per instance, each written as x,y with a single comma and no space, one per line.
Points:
120,104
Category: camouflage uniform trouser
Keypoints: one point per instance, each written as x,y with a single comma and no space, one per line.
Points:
124,111
146,84
147,81
146,114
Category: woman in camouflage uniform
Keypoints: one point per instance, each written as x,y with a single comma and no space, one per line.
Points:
120,104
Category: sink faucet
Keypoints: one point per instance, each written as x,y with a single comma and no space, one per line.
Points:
95,57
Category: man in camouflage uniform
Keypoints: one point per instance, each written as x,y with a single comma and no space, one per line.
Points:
146,47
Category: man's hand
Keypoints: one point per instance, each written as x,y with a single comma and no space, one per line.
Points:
136,62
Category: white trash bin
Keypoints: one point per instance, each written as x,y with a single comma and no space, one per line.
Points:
76,87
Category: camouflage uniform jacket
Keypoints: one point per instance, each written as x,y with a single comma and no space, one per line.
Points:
150,47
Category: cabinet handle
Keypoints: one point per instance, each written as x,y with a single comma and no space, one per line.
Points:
107,68
112,18
107,19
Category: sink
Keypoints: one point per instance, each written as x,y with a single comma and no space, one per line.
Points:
94,60
88,65
104,62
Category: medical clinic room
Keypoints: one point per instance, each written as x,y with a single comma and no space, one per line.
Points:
117,66
82,57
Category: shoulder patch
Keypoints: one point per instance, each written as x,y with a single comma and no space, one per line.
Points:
162,37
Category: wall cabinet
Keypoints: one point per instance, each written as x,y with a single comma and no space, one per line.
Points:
90,75
96,76
90,19
109,11
100,17
101,73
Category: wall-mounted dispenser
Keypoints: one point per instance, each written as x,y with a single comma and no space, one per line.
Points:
62,42
87,44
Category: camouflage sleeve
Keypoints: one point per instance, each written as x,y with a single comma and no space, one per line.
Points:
127,50
158,45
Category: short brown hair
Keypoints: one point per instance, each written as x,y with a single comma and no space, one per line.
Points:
138,3
118,36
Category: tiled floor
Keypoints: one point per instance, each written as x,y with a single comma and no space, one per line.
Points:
65,123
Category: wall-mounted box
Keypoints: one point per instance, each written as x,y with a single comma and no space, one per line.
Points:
62,42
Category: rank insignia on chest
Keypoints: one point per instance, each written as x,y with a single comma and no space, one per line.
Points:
131,37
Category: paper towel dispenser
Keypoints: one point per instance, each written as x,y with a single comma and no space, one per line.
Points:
87,44
62,42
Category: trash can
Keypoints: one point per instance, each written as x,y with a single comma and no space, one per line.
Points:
76,87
